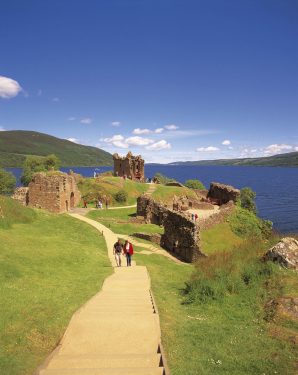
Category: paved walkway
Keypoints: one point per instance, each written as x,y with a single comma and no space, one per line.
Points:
117,332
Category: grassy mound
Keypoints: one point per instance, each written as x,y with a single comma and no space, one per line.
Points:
165,194
49,266
108,186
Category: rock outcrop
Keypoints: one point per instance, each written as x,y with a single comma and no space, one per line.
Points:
284,252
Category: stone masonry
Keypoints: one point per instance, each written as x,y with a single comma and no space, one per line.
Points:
55,191
222,194
181,235
129,166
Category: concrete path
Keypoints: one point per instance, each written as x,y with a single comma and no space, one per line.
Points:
117,332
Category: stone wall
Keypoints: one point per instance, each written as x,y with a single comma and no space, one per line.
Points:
222,194
21,194
56,192
181,235
218,217
129,166
152,237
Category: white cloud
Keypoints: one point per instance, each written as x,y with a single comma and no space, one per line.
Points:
2,129
138,141
56,99
207,149
160,145
74,140
277,149
71,118
226,142
9,88
171,127
141,131
86,120
296,148
115,123
117,141
231,148
158,130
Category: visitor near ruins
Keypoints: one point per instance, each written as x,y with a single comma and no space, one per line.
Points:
128,251
117,251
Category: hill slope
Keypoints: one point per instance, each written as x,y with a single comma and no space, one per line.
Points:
282,160
15,145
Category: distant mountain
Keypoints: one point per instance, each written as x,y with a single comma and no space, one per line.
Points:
15,145
282,160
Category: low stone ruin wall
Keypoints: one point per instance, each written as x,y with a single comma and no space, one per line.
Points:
153,212
21,194
181,235
222,194
153,237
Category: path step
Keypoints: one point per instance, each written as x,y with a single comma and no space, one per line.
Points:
106,371
112,361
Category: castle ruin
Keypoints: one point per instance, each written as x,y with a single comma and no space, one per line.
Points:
56,192
129,166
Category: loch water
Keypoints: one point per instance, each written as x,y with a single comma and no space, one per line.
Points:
276,188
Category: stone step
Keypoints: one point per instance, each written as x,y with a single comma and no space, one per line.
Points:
112,361
106,371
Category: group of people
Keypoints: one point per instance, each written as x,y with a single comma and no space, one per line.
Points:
194,217
126,250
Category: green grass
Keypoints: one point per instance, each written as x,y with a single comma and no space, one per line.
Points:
166,194
108,186
219,238
15,145
227,335
12,212
119,221
48,269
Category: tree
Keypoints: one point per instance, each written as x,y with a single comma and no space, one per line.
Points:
247,199
34,164
7,182
195,184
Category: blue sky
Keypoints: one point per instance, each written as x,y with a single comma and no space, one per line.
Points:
168,79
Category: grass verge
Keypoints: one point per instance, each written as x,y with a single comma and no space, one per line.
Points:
227,333
48,269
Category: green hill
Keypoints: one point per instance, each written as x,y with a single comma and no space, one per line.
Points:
282,160
15,145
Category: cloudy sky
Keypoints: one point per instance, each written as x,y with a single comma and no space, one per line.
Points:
168,79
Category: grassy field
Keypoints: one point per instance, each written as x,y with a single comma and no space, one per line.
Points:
49,266
119,221
108,186
227,335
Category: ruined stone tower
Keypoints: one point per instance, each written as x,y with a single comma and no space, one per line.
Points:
129,166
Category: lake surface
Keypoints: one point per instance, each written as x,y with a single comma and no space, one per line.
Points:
276,188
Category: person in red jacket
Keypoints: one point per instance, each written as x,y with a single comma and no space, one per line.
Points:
128,251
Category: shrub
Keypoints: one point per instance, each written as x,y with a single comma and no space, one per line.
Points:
35,164
246,224
121,196
247,199
194,184
7,182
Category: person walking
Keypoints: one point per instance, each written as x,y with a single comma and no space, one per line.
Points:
128,251
117,250
85,203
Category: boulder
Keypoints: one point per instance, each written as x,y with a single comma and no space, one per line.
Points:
285,252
